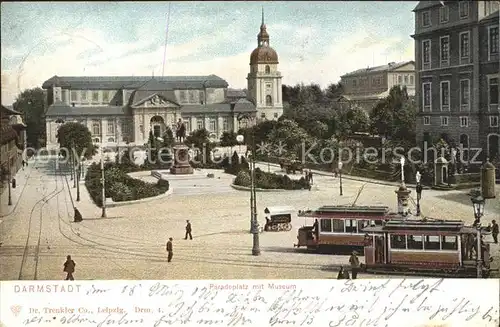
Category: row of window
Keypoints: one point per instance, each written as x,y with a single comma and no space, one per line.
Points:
464,90
444,14
464,48
88,96
424,242
191,97
263,115
346,225
464,121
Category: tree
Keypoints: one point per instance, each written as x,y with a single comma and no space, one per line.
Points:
394,117
78,137
33,103
168,138
228,139
200,140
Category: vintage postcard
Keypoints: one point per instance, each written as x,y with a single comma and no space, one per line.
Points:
226,163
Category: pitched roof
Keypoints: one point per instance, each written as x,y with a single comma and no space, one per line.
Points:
232,93
388,67
427,4
62,109
134,82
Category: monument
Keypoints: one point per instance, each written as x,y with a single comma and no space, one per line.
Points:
181,164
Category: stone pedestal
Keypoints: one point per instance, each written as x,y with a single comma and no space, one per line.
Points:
403,194
181,164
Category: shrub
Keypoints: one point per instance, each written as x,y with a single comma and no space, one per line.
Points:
265,180
119,186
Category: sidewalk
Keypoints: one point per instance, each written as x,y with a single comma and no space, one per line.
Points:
21,177
349,177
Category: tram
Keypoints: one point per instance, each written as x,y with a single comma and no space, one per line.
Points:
339,229
433,247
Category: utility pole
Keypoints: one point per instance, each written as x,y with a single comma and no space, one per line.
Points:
9,181
78,182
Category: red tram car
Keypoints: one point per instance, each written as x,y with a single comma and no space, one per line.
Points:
340,228
435,247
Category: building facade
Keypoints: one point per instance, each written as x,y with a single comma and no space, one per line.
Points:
12,143
264,79
457,65
365,87
120,110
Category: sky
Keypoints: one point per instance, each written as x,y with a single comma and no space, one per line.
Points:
316,42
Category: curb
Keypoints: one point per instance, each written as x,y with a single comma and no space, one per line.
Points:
113,204
244,188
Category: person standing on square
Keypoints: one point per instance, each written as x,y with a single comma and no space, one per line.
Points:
170,250
188,231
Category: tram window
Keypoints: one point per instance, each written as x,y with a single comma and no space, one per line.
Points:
375,222
350,226
415,242
362,224
449,243
326,225
398,242
432,242
338,225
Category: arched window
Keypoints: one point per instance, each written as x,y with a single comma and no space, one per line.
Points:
111,140
269,100
268,69
96,127
97,140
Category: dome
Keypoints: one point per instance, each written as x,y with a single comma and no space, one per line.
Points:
263,55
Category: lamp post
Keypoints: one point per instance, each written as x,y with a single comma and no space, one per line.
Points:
418,176
103,215
79,168
340,164
402,161
253,196
478,205
8,182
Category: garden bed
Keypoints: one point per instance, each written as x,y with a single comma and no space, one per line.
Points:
270,181
119,186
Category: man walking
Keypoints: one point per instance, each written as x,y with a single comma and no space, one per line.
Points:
170,250
494,231
69,268
354,261
188,231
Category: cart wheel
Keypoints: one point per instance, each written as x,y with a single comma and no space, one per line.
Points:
288,227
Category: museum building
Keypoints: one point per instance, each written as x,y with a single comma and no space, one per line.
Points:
122,110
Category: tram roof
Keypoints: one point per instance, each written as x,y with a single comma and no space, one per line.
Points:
422,225
352,209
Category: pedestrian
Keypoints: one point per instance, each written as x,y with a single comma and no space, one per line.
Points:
69,268
343,273
316,230
170,249
23,163
188,231
494,231
354,261
311,177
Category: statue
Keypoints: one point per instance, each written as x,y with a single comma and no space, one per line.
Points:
180,132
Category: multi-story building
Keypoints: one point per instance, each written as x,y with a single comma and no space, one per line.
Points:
123,110
365,87
457,66
12,143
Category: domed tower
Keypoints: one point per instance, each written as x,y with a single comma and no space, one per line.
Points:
264,79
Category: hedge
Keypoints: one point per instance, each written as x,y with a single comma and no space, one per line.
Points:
265,180
120,186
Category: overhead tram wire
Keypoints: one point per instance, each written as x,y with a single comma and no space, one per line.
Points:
166,42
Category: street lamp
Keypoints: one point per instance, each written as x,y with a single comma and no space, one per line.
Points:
254,229
478,205
340,164
79,168
103,215
73,163
418,176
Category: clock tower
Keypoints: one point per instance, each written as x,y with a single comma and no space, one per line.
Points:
264,79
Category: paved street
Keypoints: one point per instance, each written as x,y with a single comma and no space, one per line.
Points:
130,242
